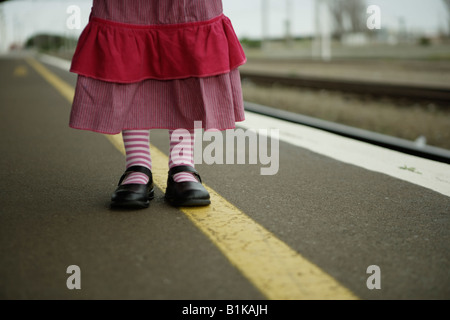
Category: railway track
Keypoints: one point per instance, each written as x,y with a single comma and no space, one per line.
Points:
439,96
385,141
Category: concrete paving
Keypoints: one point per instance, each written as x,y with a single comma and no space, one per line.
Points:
54,212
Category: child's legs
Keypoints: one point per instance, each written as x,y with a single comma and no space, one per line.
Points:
137,149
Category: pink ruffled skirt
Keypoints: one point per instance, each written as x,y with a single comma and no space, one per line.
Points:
165,64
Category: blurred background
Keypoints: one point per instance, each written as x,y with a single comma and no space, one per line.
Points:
401,43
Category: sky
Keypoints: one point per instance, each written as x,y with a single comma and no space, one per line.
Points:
19,19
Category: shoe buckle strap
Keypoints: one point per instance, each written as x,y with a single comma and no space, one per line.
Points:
178,169
140,169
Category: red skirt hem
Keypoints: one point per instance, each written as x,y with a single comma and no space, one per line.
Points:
150,128
149,77
126,53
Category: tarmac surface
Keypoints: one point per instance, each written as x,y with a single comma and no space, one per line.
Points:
54,213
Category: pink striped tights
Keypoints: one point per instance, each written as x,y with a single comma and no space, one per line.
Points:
137,149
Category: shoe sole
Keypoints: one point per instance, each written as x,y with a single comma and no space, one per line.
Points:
189,202
133,204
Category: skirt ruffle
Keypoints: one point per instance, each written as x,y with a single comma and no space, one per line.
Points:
127,53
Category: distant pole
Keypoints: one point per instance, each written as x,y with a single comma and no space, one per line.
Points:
322,41
264,23
316,40
3,44
447,6
289,10
326,31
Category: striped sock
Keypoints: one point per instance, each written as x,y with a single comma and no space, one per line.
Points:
137,149
182,153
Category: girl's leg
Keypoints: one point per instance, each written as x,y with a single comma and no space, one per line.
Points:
184,185
135,188
181,153
137,149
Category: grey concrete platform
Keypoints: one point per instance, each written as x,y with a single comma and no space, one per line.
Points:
54,212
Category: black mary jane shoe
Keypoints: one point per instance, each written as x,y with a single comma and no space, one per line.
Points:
187,193
133,196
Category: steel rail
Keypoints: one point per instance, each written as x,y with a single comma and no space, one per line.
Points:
389,142
436,95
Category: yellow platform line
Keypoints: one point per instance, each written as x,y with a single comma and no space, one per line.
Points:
279,272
